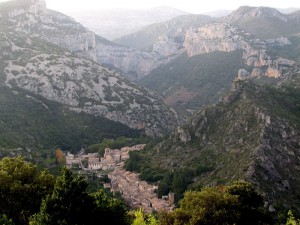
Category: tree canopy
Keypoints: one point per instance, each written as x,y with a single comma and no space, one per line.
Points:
233,204
22,188
71,204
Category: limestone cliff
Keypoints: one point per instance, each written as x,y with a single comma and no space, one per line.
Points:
35,19
226,38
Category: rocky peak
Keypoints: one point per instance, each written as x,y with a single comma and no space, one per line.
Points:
256,12
18,7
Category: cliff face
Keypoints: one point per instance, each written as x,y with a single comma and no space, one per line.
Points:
59,29
205,37
134,63
226,38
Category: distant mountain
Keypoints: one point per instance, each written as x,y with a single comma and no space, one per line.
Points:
30,62
114,23
174,29
264,22
214,55
218,13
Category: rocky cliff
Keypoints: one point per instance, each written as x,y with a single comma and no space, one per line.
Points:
31,63
194,34
35,19
226,38
251,134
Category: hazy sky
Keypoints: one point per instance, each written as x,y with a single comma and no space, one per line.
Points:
193,6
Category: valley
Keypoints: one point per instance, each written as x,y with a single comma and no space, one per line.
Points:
181,103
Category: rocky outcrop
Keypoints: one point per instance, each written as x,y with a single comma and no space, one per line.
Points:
134,63
226,38
243,138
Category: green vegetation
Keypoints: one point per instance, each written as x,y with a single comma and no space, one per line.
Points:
5,221
140,218
291,51
117,143
48,125
71,204
272,24
30,195
22,188
197,77
220,143
237,203
291,219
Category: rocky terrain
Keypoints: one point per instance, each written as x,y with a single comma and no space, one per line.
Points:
32,17
264,22
191,80
226,38
55,73
251,134
161,43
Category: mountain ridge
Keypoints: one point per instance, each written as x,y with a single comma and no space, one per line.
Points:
252,134
29,61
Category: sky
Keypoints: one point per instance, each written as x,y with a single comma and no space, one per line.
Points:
192,6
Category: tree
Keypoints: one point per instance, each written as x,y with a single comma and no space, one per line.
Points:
22,188
292,220
233,204
250,203
106,208
71,204
140,218
67,204
5,221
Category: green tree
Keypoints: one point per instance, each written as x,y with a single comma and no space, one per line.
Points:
5,221
71,204
291,219
68,204
250,203
140,218
234,204
22,188
106,208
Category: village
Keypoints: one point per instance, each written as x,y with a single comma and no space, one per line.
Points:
136,193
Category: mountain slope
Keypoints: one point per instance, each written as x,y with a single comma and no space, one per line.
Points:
30,122
252,134
111,23
188,83
264,22
174,29
33,18
33,64
215,54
